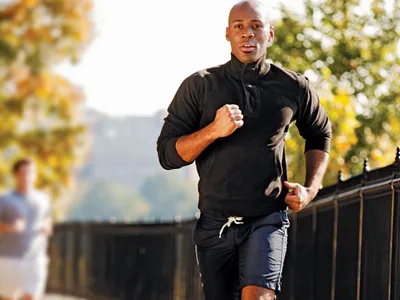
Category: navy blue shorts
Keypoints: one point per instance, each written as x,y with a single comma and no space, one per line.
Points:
251,251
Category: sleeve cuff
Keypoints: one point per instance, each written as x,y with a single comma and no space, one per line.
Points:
319,143
173,158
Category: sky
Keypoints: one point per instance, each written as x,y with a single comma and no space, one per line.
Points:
142,50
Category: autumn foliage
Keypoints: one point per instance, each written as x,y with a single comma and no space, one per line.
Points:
352,56
40,111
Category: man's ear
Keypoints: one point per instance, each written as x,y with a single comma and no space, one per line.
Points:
227,34
271,35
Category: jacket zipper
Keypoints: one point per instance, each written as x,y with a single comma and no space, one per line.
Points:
244,98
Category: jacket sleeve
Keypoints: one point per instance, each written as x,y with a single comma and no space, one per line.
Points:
311,120
184,113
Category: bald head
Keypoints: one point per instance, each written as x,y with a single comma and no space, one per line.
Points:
249,31
255,5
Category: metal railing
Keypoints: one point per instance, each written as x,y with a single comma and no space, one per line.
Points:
344,245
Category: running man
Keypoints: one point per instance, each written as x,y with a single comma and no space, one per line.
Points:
232,121
25,226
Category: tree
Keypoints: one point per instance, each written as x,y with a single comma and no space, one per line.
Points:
40,111
168,195
342,116
107,200
352,58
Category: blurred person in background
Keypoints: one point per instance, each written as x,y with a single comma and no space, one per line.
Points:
232,120
25,227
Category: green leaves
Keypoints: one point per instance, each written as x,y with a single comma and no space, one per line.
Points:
354,57
6,50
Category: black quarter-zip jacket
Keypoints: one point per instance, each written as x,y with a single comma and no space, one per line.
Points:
243,174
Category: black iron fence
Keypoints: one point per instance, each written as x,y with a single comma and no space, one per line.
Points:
344,245
122,261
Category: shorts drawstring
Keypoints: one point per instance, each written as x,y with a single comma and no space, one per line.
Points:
229,222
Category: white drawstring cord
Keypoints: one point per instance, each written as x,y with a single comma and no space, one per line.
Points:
228,224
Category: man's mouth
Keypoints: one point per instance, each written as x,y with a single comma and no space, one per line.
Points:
247,47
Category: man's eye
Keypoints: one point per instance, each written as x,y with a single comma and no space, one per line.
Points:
238,26
257,26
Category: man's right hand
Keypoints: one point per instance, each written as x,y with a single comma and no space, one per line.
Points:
19,226
227,120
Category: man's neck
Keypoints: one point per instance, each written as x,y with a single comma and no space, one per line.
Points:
23,190
260,64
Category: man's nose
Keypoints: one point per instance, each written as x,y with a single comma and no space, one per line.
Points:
248,33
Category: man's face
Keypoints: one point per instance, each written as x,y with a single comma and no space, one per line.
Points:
26,175
248,32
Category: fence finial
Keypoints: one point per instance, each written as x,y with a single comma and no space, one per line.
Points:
340,176
177,218
397,158
366,165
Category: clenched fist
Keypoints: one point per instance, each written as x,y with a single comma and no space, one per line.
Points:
19,226
298,196
228,118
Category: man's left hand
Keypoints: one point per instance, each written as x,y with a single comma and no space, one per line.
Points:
298,196
47,227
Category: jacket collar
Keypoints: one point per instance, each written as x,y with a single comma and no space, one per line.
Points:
255,69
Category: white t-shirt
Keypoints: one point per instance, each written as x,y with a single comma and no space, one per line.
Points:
34,208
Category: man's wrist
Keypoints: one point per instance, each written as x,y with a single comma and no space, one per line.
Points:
312,191
8,228
211,133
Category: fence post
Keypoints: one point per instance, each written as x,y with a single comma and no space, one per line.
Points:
335,233
68,247
395,271
84,260
392,224
360,233
292,253
180,278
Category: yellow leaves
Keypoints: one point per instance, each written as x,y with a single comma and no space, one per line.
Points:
52,161
394,123
326,72
57,92
344,123
342,116
47,31
19,77
66,181
290,39
43,86
29,3
20,14
366,54
361,57
377,155
86,5
41,116
291,144
378,10
11,39
84,32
